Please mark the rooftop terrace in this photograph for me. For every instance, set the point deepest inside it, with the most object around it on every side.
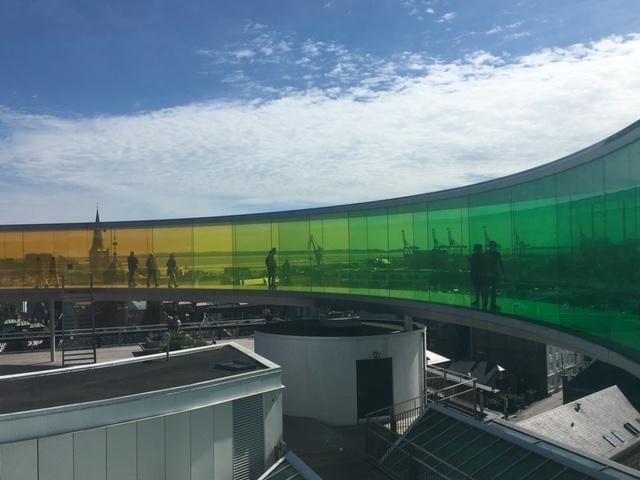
(121, 378)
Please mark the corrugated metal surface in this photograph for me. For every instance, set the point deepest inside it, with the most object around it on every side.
(248, 438)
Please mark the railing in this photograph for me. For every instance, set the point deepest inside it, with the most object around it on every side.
(410, 461)
(453, 390)
(399, 417)
(386, 428)
(133, 334)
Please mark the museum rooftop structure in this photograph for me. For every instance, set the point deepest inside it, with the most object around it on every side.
(568, 234)
(561, 250)
(209, 412)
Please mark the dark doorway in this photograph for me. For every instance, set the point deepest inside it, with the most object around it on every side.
(375, 385)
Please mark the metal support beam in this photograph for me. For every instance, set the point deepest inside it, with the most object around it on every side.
(408, 323)
(52, 329)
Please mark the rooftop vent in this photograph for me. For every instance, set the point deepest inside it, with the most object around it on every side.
(613, 441)
(617, 435)
(631, 429)
(235, 366)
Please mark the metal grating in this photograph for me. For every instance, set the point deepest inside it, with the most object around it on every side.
(248, 438)
(443, 444)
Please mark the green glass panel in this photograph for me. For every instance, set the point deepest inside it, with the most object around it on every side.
(533, 266)
(317, 255)
(332, 275)
(369, 253)
(581, 265)
(213, 256)
(490, 220)
(633, 152)
(621, 248)
(379, 265)
(447, 259)
(403, 269)
(359, 264)
(420, 251)
(252, 243)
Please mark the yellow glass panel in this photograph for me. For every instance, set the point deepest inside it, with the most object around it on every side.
(40, 263)
(252, 244)
(213, 256)
(179, 242)
(11, 260)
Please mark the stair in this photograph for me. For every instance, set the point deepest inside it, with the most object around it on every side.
(79, 333)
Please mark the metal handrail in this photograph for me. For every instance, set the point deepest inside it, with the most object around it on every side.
(401, 443)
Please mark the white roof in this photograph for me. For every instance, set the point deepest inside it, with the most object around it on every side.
(435, 359)
(594, 423)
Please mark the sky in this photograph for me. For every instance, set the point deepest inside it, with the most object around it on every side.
(173, 109)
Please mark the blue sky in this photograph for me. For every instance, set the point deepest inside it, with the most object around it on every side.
(162, 109)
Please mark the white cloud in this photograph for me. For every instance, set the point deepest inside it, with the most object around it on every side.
(311, 48)
(515, 36)
(261, 45)
(447, 17)
(244, 53)
(443, 125)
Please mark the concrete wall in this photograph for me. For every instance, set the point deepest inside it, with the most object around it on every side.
(272, 410)
(319, 373)
(190, 445)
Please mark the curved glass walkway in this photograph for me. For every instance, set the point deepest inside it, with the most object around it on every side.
(568, 233)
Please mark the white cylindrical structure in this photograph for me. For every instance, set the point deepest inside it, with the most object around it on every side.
(320, 373)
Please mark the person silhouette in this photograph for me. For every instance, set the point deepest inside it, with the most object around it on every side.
(132, 264)
(477, 272)
(494, 268)
(172, 270)
(152, 271)
(272, 268)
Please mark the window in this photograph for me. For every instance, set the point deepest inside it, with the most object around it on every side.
(631, 429)
(612, 440)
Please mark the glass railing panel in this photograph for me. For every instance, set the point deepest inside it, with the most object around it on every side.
(78, 250)
(332, 237)
(533, 266)
(403, 253)
(252, 244)
(583, 252)
(298, 253)
(173, 257)
(40, 262)
(12, 261)
(491, 235)
(359, 262)
(213, 256)
(130, 248)
(446, 262)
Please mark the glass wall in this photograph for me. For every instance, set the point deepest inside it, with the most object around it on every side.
(561, 250)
